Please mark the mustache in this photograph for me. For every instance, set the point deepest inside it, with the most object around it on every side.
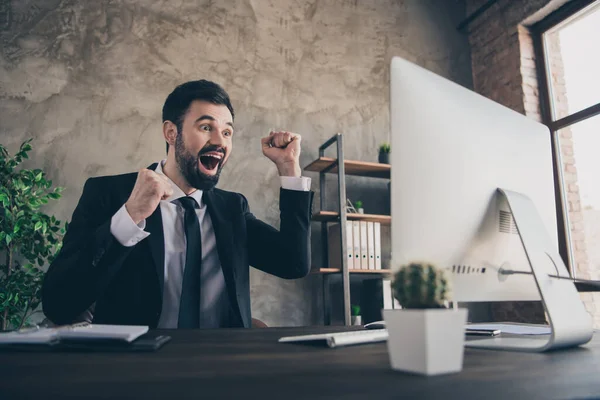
(211, 148)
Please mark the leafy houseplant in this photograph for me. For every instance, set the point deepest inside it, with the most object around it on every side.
(356, 317)
(384, 153)
(359, 207)
(425, 336)
(28, 237)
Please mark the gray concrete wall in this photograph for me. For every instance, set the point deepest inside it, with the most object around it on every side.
(87, 80)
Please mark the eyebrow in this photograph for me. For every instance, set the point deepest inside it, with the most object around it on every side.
(210, 118)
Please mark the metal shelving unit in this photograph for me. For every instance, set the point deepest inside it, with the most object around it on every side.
(342, 167)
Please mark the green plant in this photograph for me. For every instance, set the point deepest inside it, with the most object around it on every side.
(385, 148)
(358, 204)
(27, 236)
(355, 310)
(421, 285)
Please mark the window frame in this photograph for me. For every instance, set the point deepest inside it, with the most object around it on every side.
(537, 31)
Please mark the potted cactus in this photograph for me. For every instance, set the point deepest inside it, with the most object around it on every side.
(384, 153)
(359, 207)
(356, 317)
(425, 336)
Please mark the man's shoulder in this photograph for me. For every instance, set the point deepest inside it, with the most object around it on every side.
(116, 180)
(112, 180)
(227, 195)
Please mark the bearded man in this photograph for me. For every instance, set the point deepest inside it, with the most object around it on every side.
(164, 247)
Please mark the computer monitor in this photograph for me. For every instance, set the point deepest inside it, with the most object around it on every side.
(452, 150)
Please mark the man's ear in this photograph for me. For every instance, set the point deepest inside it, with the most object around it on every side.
(170, 132)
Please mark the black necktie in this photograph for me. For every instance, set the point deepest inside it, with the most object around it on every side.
(189, 304)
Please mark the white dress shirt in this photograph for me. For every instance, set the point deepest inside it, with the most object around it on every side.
(128, 233)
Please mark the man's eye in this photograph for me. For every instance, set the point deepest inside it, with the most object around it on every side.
(205, 127)
(227, 133)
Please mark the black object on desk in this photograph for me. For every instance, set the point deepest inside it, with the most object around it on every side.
(145, 343)
(482, 332)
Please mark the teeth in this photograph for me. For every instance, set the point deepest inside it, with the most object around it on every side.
(217, 156)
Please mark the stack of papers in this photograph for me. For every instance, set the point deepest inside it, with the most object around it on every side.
(85, 332)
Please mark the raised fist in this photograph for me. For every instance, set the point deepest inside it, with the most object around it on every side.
(283, 148)
(149, 189)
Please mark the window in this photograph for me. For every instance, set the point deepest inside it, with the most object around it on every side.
(569, 62)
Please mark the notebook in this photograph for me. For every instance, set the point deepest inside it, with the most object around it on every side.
(83, 331)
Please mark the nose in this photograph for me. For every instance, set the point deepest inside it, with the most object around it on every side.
(217, 138)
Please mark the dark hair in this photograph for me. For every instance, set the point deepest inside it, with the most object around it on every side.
(178, 102)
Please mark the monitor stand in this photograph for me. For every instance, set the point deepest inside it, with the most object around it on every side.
(570, 323)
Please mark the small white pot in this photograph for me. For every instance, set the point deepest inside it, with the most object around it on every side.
(428, 342)
(360, 210)
(356, 320)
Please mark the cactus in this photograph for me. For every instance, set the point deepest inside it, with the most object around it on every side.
(385, 148)
(421, 285)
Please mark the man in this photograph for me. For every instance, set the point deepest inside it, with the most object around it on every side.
(163, 247)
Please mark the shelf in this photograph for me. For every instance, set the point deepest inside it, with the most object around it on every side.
(332, 216)
(331, 165)
(352, 271)
(358, 168)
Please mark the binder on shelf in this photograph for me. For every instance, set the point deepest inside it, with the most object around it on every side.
(334, 246)
(364, 245)
(377, 240)
(388, 298)
(371, 245)
(389, 302)
(356, 243)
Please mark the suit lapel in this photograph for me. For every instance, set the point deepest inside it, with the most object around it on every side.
(156, 241)
(222, 226)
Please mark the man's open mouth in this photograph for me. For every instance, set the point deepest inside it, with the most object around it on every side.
(210, 161)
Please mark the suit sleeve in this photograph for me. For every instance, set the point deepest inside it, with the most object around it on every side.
(89, 258)
(284, 253)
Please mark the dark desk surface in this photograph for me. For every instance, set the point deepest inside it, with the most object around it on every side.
(251, 364)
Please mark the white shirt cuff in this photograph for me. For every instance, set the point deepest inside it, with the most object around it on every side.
(125, 230)
(301, 184)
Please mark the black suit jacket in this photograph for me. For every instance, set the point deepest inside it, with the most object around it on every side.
(125, 284)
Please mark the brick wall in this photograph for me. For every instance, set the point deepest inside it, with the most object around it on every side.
(569, 169)
(504, 70)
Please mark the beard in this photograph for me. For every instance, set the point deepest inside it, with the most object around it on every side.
(188, 165)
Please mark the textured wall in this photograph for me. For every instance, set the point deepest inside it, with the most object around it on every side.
(87, 79)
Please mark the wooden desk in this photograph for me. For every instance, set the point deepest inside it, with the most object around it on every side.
(251, 364)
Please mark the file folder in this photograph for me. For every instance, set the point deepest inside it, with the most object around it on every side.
(364, 255)
(371, 244)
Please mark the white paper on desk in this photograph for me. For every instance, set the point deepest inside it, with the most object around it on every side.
(514, 328)
(98, 331)
(29, 336)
